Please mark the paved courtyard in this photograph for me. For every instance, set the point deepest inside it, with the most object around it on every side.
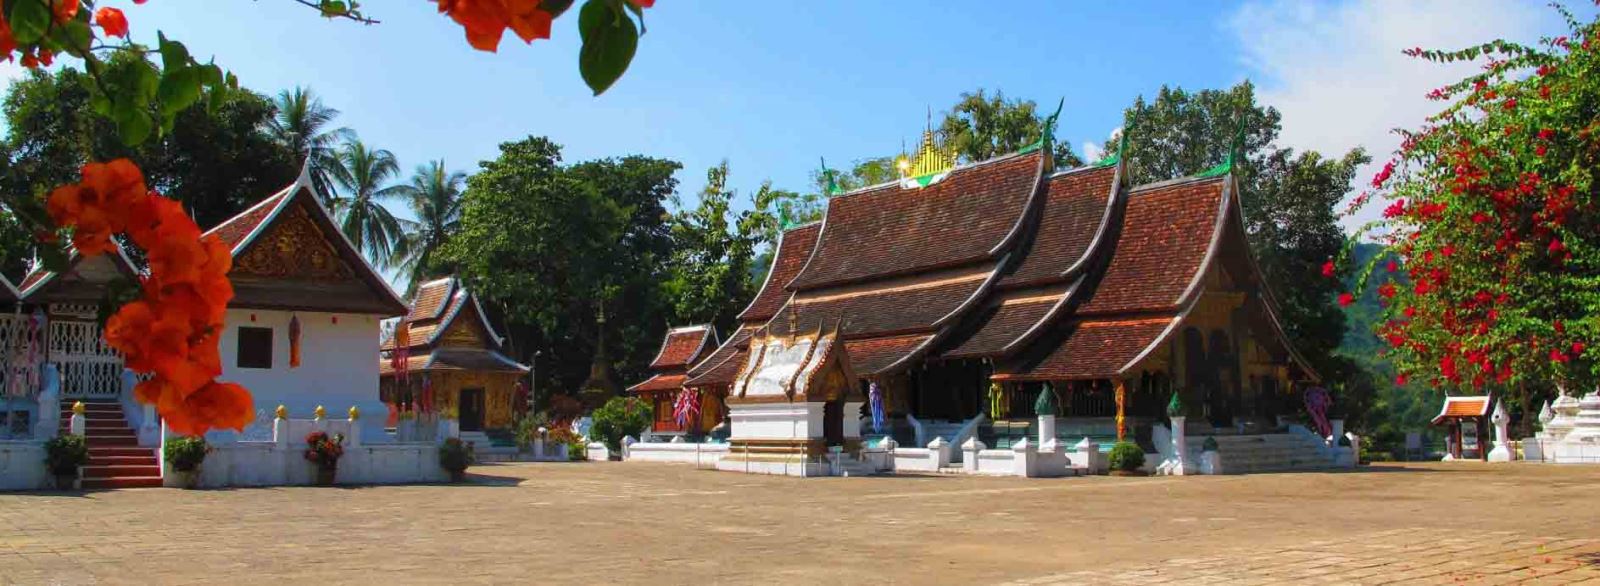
(650, 523)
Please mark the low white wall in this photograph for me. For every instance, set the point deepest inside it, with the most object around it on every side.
(267, 464)
(916, 460)
(22, 466)
(699, 454)
(995, 463)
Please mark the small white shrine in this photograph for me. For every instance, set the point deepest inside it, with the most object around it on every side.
(1571, 431)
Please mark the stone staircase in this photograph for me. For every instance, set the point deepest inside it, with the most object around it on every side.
(487, 449)
(1280, 452)
(115, 458)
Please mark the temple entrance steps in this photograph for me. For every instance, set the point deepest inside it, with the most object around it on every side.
(850, 466)
(115, 458)
(486, 449)
(1246, 454)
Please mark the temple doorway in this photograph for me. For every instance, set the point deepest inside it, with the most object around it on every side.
(833, 422)
(471, 410)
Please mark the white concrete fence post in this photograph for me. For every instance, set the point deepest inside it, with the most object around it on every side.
(1047, 430)
(627, 446)
(77, 425)
(353, 439)
(280, 428)
(939, 452)
(1023, 455)
(970, 449)
(538, 444)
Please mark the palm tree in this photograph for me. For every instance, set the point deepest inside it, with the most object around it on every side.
(301, 124)
(435, 197)
(361, 175)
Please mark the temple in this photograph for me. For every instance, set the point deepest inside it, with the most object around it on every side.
(452, 364)
(957, 294)
(680, 348)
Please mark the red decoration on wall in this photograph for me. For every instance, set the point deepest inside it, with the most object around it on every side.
(294, 341)
(336, 320)
(252, 318)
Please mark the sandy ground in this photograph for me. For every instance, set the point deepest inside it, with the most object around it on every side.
(605, 523)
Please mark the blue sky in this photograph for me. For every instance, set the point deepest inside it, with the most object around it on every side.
(772, 85)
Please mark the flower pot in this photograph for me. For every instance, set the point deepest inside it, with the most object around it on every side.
(67, 481)
(187, 479)
(325, 476)
(458, 476)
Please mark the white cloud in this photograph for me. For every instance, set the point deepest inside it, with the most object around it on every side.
(1092, 152)
(1336, 73)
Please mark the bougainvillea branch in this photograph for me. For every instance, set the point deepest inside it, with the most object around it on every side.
(1489, 215)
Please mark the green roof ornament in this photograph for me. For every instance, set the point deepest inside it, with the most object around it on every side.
(1175, 406)
(1235, 150)
(1210, 445)
(831, 187)
(1122, 145)
(1047, 131)
(1046, 403)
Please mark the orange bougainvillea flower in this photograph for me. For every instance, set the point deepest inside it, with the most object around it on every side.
(642, 3)
(8, 43)
(173, 329)
(486, 21)
(113, 21)
(64, 10)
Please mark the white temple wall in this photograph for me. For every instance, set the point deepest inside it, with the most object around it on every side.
(22, 466)
(775, 420)
(338, 365)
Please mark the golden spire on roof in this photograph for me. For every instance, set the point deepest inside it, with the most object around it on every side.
(931, 160)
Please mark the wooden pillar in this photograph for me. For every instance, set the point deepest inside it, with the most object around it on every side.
(1122, 400)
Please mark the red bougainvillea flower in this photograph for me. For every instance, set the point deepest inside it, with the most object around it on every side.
(485, 21)
(1328, 269)
(1578, 348)
(173, 329)
(1345, 299)
(112, 20)
(642, 3)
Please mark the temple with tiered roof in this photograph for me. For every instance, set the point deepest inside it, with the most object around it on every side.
(957, 296)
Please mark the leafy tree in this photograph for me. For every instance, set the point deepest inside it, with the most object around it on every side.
(301, 124)
(551, 247)
(217, 162)
(434, 195)
(1289, 202)
(1492, 216)
(980, 127)
(361, 176)
(711, 265)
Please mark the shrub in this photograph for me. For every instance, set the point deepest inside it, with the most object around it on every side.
(185, 453)
(1126, 456)
(620, 417)
(455, 455)
(63, 454)
(576, 448)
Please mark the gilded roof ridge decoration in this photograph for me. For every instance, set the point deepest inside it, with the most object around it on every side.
(909, 284)
(36, 280)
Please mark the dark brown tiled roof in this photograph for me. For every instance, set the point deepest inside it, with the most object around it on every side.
(1165, 234)
(1091, 349)
(736, 344)
(720, 370)
(235, 229)
(430, 300)
(874, 355)
(1073, 213)
(1006, 320)
(682, 347)
(660, 382)
(794, 249)
(32, 279)
(890, 306)
(888, 230)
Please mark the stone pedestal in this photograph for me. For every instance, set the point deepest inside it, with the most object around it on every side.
(1178, 463)
(1502, 443)
(969, 452)
(1047, 429)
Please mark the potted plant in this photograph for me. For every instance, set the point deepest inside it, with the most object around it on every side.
(1126, 459)
(63, 455)
(324, 451)
(185, 454)
(455, 456)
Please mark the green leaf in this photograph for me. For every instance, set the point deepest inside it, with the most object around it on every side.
(78, 36)
(29, 21)
(133, 123)
(609, 43)
(179, 89)
(555, 7)
(173, 54)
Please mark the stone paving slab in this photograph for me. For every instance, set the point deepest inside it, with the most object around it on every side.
(613, 523)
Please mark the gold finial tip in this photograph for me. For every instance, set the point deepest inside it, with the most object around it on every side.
(320, 412)
(78, 408)
(354, 413)
(282, 412)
